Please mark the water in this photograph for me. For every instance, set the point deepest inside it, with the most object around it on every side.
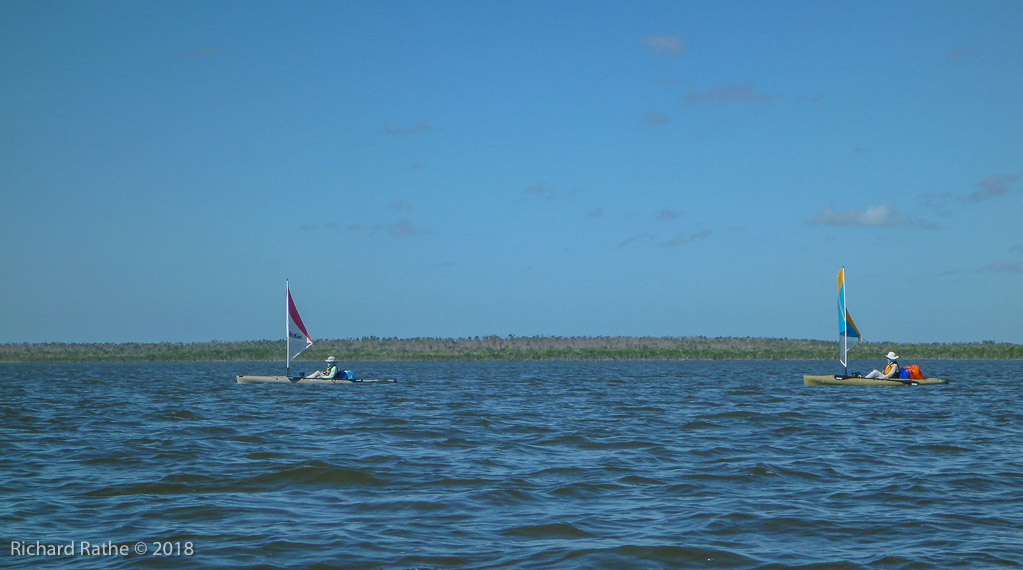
(512, 465)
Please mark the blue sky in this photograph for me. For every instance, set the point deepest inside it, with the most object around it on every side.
(528, 168)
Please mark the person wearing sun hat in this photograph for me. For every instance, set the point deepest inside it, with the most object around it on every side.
(891, 370)
(331, 373)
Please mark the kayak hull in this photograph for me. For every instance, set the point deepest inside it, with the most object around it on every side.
(839, 380)
(252, 379)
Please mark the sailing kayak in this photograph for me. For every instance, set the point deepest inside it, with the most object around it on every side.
(840, 380)
(296, 330)
(250, 379)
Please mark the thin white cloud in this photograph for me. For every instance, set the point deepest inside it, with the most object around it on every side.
(992, 186)
(539, 191)
(667, 214)
(420, 127)
(655, 119)
(665, 45)
(1010, 266)
(874, 216)
(202, 53)
(813, 99)
(938, 201)
(961, 54)
(729, 94)
(684, 239)
(645, 236)
(404, 228)
(651, 238)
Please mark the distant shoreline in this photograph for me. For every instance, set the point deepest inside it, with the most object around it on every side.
(506, 348)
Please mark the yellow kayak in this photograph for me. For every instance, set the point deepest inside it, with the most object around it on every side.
(252, 379)
(840, 380)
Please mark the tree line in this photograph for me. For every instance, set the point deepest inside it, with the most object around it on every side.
(504, 348)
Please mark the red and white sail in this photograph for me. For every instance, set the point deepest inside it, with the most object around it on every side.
(298, 337)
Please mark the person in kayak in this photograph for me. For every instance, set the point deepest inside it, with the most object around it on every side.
(331, 373)
(891, 370)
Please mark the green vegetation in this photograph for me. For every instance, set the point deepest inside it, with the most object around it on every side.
(506, 348)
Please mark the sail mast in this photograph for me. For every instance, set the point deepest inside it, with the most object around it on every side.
(287, 327)
(843, 319)
(846, 326)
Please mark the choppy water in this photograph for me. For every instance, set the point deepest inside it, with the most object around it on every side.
(513, 465)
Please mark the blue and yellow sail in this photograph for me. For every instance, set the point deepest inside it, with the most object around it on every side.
(848, 334)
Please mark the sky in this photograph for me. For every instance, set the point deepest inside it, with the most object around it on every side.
(453, 169)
